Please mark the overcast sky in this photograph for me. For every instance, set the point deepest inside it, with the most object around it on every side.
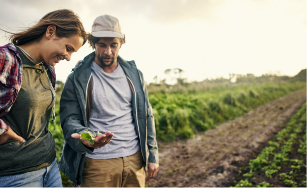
(205, 38)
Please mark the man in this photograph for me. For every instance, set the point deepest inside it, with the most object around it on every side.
(105, 93)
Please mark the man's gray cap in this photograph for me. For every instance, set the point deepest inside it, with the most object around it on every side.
(107, 26)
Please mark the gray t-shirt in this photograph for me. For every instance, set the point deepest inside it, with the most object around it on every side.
(112, 111)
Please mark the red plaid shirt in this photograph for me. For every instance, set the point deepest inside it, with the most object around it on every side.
(10, 80)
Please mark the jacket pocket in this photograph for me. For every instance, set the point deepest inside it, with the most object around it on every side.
(10, 143)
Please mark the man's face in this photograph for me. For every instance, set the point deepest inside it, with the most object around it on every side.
(106, 50)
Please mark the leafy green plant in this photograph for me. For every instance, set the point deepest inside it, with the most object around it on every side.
(270, 172)
(296, 161)
(89, 136)
(180, 119)
(273, 144)
(302, 148)
(229, 99)
(296, 167)
(290, 183)
(186, 132)
(248, 175)
(280, 158)
(268, 160)
(264, 184)
(242, 97)
(244, 183)
(204, 110)
(257, 163)
(283, 176)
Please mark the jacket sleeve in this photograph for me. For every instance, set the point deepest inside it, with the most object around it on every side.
(151, 130)
(3, 127)
(6, 91)
(71, 116)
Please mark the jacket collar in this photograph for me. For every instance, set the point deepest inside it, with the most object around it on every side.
(13, 48)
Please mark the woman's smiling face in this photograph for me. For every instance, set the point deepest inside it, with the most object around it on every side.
(56, 49)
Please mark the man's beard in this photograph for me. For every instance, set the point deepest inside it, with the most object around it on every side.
(100, 59)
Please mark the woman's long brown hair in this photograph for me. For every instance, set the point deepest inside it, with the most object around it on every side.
(67, 24)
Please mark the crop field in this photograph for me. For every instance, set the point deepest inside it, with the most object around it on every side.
(283, 162)
(182, 118)
(215, 158)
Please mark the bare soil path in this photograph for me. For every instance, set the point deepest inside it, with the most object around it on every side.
(213, 158)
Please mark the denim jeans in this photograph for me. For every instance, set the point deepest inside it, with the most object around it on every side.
(46, 177)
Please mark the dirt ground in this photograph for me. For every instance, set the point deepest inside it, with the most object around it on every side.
(213, 158)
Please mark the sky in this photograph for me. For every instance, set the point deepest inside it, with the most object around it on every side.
(205, 38)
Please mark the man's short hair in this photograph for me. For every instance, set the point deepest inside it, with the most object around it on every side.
(93, 40)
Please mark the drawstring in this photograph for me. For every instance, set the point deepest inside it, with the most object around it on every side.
(36, 62)
(50, 84)
(53, 95)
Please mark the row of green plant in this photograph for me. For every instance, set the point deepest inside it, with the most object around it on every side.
(276, 162)
(182, 116)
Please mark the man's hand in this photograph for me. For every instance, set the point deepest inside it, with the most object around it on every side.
(10, 135)
(152, 170)
(99, 141)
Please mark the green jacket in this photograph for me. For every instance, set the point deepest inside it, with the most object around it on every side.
(75, 109)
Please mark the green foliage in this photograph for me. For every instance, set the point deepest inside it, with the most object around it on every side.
(253, 94)
(205, 110)
(244, 183)
(242, 97)
(230, 100)
(264, 184)
(180, 115)
(273, 144)
(301, 76)
(180, 119)
(200, 125)
(57, 133)
(257, 163)
(280, 158)
(89, 136)
(270, 172)
(167, 131)
(283, 176)
(248, 175)
(214, 106)
(290, 183)
(186, 132)
(278, 152)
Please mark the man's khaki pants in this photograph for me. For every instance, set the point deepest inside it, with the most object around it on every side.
(118, 172)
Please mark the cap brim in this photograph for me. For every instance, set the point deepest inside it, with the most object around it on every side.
(107, 34)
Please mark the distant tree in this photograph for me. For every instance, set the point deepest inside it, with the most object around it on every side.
(168, 72)
(156, 79)
(178, 71)
(301, 76)
(163, 82)
(179, 80)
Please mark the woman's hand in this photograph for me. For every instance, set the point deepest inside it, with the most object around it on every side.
(10, 135)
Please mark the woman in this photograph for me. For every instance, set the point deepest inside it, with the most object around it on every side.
(27, 98)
